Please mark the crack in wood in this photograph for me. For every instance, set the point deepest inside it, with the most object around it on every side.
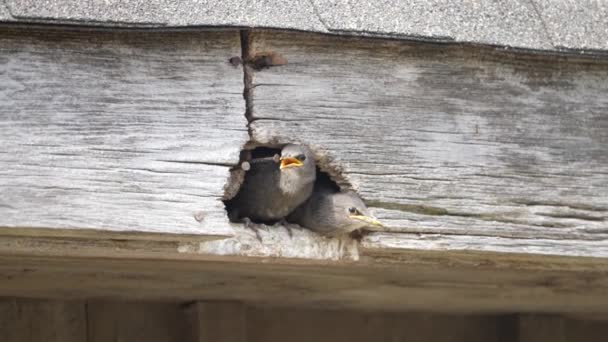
(196, 162)
(580, 206)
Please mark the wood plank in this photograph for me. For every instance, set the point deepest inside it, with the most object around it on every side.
(487, 148)
(219, 321)
(119, 131)
(125, 321)
(557, 328)
(275, 325)
(541, 328)
(387, 243)
(29, 320)
(405, 281)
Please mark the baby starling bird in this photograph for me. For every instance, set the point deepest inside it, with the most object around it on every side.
(334, 213)
(272, 190)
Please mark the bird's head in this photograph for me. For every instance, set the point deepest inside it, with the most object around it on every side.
(352, 214)
(297, 159)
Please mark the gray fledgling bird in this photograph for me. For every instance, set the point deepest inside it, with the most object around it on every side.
(334, 213)
(272, 190)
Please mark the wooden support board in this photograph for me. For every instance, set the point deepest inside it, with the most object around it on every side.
(467, 148)
(30, 320)
(119, 131)
(406, 281)
(25, 320)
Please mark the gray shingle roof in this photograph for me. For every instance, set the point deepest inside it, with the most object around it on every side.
(546, 25)
(4, 13)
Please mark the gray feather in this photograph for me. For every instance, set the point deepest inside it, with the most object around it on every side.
(269, 193)
(327, 212)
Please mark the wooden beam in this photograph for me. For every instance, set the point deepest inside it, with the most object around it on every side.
(119, 131)
(456, 149)
(219, 321)
(26, 320)
(556, 328)
(274, 325)
(109, 320)
(405, 281)
(124, 321)
(472, 148)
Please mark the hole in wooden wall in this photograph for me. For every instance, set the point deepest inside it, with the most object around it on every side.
(328, 174)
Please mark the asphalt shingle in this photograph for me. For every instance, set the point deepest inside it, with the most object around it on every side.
(297, 14)
(576, 24)
(544, 25)
(509, 23)
(5, 15)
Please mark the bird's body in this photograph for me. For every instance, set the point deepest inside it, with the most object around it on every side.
(271, 190)
(333, 213)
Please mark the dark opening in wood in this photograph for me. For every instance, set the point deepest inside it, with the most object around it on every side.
(249, 157)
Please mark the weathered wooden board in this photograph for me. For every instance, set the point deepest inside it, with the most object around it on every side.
(26, 320)
(500, 149)
(556, 328)
(34, 320)
(120, 321)
(274, 325)
(119, 131)
(381, 281)
(219, 321)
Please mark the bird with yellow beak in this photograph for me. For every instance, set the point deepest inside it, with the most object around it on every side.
(334, 213)
(272, 190)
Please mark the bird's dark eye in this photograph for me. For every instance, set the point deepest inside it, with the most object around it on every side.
(301, 157)
(353, 210)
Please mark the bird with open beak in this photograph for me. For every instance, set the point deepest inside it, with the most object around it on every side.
(272, 190)
(333, 213)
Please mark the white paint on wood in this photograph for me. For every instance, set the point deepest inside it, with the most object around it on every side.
(126, 131)
(495, 150)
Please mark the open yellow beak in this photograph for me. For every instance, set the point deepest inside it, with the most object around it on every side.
(288, 162)
(369, 220)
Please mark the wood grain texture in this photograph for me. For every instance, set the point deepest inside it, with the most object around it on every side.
(219, 321)
(556, 328)
(36, 320)
(119, 131)
(381, 281)
(109, 321)
(275, 325)
(27, 320)
(474, 145)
